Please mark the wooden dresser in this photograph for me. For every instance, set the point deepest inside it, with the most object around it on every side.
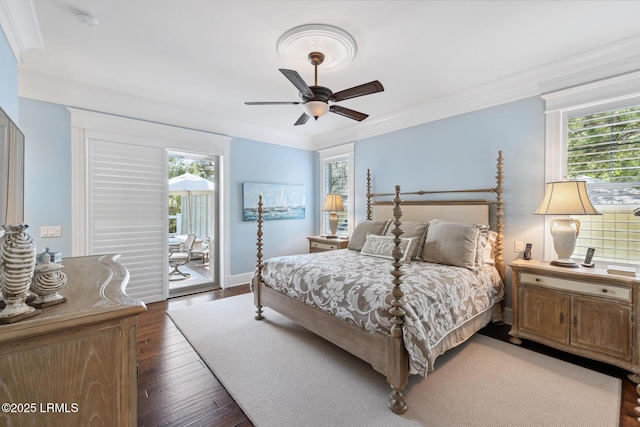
(584, 311)
(75, 363)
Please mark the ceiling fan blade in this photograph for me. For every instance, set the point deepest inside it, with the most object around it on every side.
(354, 92)
(355, 115)
(273, 103)
(297, 81)
(302, 119)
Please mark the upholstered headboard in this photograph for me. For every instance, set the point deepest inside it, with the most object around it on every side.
(466, 212)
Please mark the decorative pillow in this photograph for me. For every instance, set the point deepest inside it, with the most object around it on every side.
(451, 243)
(486, 245)
(414, 229)
(359, 235)
(382, 246)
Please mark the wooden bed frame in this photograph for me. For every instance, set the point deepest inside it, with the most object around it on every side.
(386, 353)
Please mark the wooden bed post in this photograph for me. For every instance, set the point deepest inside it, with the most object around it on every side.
(369, 210)
(500, 218)
(256, 287)
(398, 374)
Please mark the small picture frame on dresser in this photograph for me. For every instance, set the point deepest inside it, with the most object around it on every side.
(588, 259)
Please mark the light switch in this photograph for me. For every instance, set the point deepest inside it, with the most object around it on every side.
(51, 231)
(518, 247)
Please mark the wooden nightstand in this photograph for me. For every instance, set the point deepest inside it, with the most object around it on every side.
(321, 244)
(584, 311)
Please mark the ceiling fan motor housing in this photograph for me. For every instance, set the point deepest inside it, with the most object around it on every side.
(321, 94)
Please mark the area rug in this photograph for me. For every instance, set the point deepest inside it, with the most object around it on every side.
(282, 375)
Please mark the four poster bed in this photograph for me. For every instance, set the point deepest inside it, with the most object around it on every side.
(404, 292)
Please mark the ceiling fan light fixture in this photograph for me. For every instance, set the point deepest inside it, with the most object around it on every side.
(315, 108)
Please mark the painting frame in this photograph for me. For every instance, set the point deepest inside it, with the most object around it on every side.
(279, 201)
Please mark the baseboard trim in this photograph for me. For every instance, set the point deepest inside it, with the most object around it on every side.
(239, 279)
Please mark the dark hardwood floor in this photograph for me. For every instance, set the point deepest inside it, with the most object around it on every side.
(176, 388)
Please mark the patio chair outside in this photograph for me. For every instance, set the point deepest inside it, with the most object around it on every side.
(203, 252)
(181, 257)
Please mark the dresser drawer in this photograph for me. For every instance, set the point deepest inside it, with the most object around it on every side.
(324, 246)
(617, 292)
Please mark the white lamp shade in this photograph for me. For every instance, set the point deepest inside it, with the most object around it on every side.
(333, 203)
(315, 108)
(566, 198)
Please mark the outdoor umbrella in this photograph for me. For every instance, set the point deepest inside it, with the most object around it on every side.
(187, 185)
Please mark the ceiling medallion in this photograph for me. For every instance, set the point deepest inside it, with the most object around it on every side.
(338, 47)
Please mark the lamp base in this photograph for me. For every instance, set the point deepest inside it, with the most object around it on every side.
(564, 232)
(333, 223)
(565, 263)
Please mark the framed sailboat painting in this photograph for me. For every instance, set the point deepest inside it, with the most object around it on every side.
(279, 201)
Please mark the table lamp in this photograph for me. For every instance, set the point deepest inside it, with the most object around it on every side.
(565, 198)
(333, 204)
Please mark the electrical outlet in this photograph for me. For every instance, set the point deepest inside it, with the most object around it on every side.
(518, 246)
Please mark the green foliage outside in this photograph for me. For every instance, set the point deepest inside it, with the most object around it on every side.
(177, 167)
(337, 182)
(605, 146)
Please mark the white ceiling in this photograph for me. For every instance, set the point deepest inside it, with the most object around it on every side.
(210, 56)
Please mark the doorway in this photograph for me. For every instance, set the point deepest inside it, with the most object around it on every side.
(193, 211)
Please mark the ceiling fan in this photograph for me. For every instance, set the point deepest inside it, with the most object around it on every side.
(315, 99)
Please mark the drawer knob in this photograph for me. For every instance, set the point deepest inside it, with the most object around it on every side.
(537, 279)
(604, 291)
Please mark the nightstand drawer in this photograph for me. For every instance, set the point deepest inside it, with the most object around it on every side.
(324, 246)
(617, 292)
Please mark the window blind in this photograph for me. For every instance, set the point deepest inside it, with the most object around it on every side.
(127, 187)
(337, 182)
(603, 149)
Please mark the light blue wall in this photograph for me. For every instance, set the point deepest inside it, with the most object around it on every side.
(47, 200)
(420, 157)
(48, 185)
(253, 161)
(461, 152)
(8, 80)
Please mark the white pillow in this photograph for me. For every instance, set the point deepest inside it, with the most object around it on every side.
(382, 246)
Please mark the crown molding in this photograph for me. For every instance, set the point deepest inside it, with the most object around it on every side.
(606, 61)
(600, 63)
(79, 95)
(20, 25)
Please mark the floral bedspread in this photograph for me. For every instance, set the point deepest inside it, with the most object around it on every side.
(357, 289)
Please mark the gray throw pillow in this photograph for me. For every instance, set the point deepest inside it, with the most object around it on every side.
(414, 229)
(359, 235)
(451, 243)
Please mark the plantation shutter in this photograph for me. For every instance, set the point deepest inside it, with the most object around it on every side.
(604, 150)
(337, 182)
(127, 212)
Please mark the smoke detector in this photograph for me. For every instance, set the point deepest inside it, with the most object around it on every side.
(87, 19)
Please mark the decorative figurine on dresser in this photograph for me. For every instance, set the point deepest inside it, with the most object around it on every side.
(17, 265)
(47, 281)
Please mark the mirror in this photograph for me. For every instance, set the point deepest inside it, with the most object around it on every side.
(11, 172)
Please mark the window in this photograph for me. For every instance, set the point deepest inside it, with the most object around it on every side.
(337, 178)
(604, 149)
(597, 140)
